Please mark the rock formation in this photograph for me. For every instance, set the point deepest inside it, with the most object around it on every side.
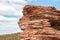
(40, 23)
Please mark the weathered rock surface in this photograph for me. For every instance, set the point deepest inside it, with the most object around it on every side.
(40, 23)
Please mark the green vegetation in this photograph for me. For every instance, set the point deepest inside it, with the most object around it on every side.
(10, 37)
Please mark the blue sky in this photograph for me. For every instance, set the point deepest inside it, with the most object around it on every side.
(55, 3)
(11, 11)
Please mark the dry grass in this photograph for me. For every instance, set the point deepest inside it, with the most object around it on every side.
(10, 37)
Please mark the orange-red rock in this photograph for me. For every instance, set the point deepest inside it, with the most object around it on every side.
(40, 23)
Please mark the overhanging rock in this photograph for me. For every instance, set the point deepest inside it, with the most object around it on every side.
(40, 23)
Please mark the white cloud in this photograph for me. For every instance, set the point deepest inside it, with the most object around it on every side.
(18, 1)
(8, 24)
(7, 19)
(7, 10)
(10, 8)
(4, 7)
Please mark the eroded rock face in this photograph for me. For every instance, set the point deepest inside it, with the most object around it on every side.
(40, 23)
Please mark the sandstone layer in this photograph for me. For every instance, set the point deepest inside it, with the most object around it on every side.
(40, 23)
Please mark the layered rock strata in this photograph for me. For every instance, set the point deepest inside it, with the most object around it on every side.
(40, 23)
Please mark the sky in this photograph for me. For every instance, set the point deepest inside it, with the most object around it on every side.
(11, 12)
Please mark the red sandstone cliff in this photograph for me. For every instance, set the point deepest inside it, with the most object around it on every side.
(40, 23)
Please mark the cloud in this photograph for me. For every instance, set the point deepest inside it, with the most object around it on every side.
(17, 1)
(9, 25)
(14, 10)
(6, 10)
(10, 8)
